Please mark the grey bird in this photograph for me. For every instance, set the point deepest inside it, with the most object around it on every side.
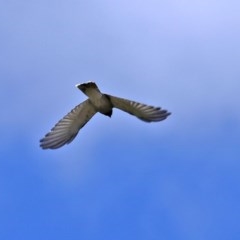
(68, 127)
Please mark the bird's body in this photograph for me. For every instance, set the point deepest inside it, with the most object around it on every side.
(100, 101)
(68, 127)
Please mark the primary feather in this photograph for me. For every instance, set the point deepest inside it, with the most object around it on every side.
(142, 111)
(68, 127)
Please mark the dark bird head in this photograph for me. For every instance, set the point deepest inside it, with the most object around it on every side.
(85, 86)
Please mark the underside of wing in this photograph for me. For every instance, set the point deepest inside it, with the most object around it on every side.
(68, 127)
(142, 111)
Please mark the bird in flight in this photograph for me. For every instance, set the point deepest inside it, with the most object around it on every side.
(68, 127)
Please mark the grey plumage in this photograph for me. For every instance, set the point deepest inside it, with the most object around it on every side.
(142, 111)
(68, 127)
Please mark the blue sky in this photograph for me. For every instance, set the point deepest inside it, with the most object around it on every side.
(121, 178)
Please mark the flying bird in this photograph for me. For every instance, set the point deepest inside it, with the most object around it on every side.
(68, 127)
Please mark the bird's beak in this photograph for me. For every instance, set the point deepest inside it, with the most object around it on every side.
(78, 85)
(81, 87)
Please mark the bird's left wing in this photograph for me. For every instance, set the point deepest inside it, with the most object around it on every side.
(68, 127)
(142, 111)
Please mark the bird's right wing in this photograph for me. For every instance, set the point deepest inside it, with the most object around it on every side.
(68, 127)
(142, 111)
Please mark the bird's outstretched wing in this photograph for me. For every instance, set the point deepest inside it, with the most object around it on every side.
(142, 111)
(68, 127)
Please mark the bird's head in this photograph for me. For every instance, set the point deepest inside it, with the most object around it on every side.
(85, 86)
